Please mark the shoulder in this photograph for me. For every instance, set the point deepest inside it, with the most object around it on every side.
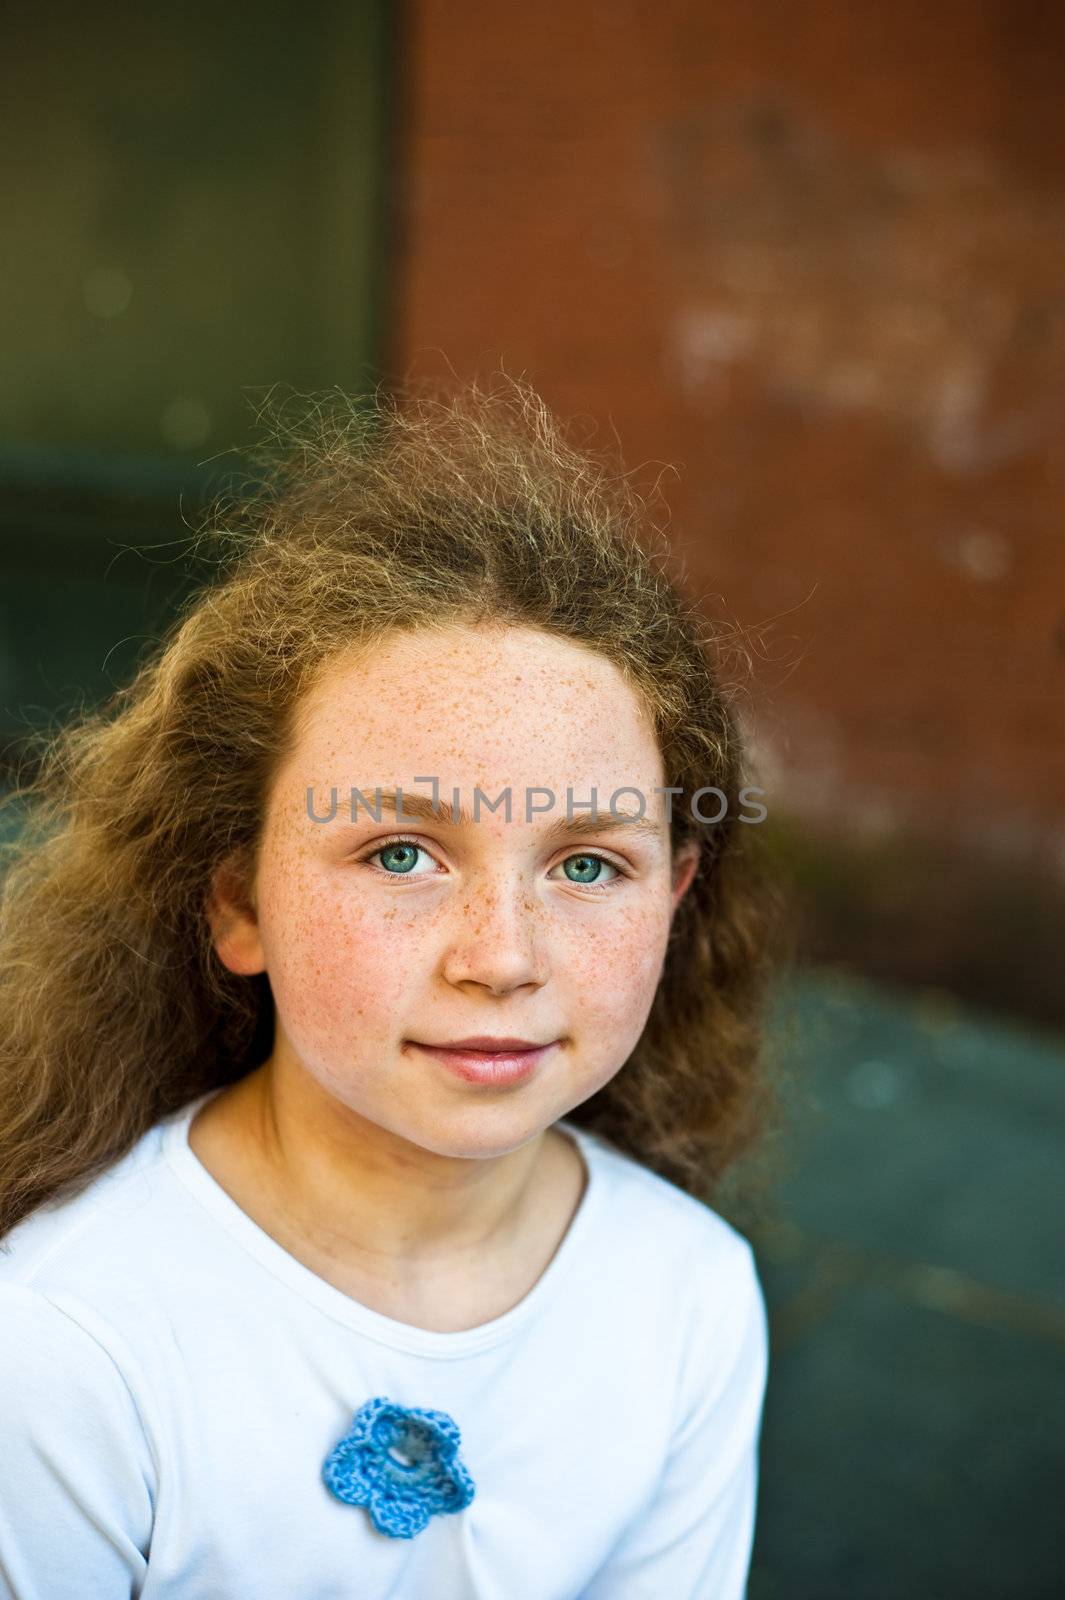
(685, 1235)
(690, 1269)
(47, 1346)
(85, 1223)
(80, 1311)
(79, 1473)
(70, 1289)
(74, 1325)
(65, 1383)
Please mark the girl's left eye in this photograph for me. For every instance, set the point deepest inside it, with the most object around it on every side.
(404, 853)
(589, 864)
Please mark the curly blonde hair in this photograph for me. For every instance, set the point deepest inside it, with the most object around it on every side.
(394, 513)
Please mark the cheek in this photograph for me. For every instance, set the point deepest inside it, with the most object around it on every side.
(613, 972)
(331, 963)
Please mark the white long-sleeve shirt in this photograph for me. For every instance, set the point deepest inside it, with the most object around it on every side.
(172, 1382)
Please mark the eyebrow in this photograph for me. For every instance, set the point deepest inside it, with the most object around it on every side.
(421, 805)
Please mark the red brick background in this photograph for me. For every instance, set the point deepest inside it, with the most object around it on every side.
(814, 257)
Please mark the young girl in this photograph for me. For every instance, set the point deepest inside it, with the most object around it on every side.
(358, 1126)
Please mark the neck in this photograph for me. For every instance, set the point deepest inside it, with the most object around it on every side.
(367, 1194)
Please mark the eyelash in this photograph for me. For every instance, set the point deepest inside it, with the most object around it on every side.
(399, 838)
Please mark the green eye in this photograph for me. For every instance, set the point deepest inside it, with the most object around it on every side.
(399, 858)
(408, 853)
(587, 869)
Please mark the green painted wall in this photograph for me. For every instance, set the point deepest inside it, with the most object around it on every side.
(194, 212)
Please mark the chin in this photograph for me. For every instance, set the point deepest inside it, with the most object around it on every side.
(479, 1132)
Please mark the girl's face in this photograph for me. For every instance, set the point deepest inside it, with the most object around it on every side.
(487, 927)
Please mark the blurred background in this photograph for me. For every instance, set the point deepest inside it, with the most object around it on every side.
(812, 260)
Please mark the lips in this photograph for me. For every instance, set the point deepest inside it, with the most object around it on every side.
(505, 1062)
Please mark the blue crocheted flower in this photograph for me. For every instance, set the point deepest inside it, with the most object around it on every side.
(402, 1463)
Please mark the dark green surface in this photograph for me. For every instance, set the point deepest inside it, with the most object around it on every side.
(916, 1283)
(195, 203)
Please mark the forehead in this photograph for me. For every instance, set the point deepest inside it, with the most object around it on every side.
(469, 703)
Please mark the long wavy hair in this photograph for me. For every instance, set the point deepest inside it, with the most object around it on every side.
(366, 517)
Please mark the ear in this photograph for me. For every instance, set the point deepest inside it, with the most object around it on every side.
(685, 863)
(232, 917)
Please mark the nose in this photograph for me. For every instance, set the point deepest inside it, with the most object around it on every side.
(498, 941)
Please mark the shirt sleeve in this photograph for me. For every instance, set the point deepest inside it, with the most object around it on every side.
(693, 1541)
(76, 1471)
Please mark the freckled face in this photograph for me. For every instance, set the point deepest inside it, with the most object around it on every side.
(481, 929)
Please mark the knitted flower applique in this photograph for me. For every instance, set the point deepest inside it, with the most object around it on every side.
(402, 1463)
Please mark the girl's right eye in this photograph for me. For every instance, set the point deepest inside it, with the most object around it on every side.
(401, 857)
